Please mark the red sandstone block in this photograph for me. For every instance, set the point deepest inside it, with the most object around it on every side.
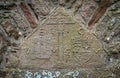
(99, 12)
(28, 14)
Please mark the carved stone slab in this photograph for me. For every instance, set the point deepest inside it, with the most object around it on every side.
(61, 43)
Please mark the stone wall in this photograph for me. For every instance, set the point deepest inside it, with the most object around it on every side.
(59, 38)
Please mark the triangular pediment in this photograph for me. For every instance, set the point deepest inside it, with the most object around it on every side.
(60, 44)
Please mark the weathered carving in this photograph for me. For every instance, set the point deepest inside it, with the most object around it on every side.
(60, 44)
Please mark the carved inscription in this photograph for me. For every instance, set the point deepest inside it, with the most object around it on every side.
(62, 44)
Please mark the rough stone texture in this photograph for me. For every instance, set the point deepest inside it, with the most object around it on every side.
(104, 4)
(82, 9)
(49, 39)
(108, 31)
(60, 42)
